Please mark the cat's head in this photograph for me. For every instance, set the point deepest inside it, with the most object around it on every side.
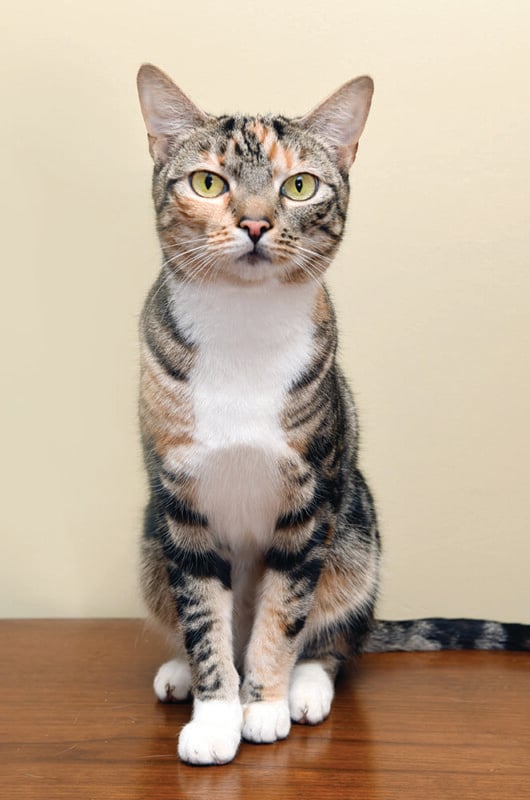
(250, 199)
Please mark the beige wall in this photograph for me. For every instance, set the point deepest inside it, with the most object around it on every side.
(432, 283)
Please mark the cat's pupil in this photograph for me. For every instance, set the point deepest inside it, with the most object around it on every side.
(208, 182)
(299, 183)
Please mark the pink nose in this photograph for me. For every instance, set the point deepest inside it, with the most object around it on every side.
(255, 227)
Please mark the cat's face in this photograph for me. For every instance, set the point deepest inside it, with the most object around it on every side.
(250, 199)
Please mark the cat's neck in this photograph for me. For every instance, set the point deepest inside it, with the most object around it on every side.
(255, 316)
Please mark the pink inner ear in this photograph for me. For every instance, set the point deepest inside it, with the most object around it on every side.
(158, 147)
(341, 118)
(167, 111)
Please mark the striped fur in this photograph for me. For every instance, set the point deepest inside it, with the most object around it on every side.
(446, 634)
(261, 549)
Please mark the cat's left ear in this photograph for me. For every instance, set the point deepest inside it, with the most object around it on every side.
(340, 119)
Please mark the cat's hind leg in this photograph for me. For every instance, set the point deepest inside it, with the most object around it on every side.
(172, 682)
(311, 690)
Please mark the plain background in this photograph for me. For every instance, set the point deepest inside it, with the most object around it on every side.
(432, 283)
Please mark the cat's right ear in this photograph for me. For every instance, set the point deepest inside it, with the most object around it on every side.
(167, 112)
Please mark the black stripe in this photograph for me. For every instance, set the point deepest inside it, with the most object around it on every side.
(177, 478)
(228, 124)
(251, 143)
(207, 672)
(184, 562)
(359, 514)
(194, 616)
(294, 628)
(287, 561)
(158, 325)
(203, 654)
(185, 602)
(166, 198)
(308, 572)
(300, 516)
(194, 636)
(517, 636)
(205, 690)
(279, 127)
(332, 235)
(254, 690)
(179, 511)
(281, 560)
(314, 372)
(151, 520)
(158, 304)
(307, 411)
(161, 358)
(319, 448)
(301, 480)
(159, 207)
(322, 209)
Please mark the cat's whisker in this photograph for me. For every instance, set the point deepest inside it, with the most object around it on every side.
(315, 257)
(187, 268)
(170, 274)
(183, 253)
(205, 263)
(163, 284)
(308, 269)
(198, 238)
(293, 249)
(319, 262)
(310, 251)
(204, 279)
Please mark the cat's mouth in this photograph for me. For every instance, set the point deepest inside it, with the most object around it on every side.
(255, 256)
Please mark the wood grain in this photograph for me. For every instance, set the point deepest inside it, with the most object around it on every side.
(78, 719)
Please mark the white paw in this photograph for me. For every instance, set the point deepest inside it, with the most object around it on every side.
(213, 735)
(266, 721)
(310, 693)
(173, 681)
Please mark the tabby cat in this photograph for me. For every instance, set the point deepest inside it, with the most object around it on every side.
(261, 549)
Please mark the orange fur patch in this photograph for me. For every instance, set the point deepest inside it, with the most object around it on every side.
(166, 415)
(321, 310)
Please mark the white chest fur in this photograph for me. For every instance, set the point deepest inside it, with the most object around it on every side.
(252, 342)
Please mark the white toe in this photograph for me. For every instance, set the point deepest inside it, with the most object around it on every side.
(173, 681)
(310, 693)
(213, 735)
(266, 721)
(200, 743)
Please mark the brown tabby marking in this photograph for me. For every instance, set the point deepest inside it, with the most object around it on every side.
(258, 512)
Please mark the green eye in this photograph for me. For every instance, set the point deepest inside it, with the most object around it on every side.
(208, 184)
(300, 187)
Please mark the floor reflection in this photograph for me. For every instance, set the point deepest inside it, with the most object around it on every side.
(332, 760)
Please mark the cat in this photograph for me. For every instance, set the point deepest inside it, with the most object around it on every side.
(261, 549)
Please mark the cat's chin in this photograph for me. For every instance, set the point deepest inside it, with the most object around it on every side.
(252, 268)
(253, 259)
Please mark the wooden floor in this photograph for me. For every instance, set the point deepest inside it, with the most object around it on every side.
(78, 720)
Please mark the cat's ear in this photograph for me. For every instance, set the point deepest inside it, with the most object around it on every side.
(340, 119)
(167, 111)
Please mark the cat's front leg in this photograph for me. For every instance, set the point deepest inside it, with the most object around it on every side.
(200, 583)
(286, 597)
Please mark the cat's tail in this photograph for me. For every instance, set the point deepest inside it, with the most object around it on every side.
(437, 633)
